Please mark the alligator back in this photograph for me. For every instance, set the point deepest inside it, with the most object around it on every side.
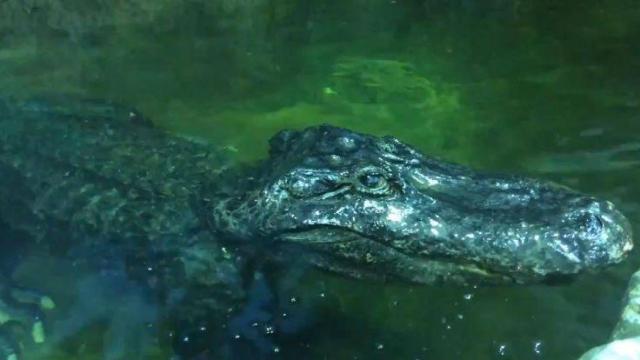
(96, 176)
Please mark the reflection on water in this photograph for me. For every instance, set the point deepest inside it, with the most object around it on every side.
(491, 84)
(620, 157)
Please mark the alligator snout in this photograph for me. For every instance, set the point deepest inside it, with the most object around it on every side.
(601, 231)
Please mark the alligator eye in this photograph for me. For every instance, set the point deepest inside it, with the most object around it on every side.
(372, 182)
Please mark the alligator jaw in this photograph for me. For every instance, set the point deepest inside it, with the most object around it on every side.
(327, 247)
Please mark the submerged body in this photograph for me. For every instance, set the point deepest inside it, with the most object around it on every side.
(97, 182)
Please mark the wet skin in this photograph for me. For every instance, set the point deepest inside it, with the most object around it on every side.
(375, 207)
(96, 181)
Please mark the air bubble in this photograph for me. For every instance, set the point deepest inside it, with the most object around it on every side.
(502, 349)
(537, 347)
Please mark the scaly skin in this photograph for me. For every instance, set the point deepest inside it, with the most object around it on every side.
(375, 207)
(97, 182)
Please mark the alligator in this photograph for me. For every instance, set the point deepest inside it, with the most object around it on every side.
(97, 182)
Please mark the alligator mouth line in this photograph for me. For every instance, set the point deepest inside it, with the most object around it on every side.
(338, 234)
(326, 234)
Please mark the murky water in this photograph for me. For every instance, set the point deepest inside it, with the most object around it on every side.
(551, 90)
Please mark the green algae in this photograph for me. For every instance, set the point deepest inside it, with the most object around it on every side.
(487, 89)
(367, 80)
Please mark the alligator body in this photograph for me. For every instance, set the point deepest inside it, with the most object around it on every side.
(98, 182)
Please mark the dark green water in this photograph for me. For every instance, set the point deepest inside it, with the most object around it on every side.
(536, 87)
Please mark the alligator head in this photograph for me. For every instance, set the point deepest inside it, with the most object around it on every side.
(374, 207)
